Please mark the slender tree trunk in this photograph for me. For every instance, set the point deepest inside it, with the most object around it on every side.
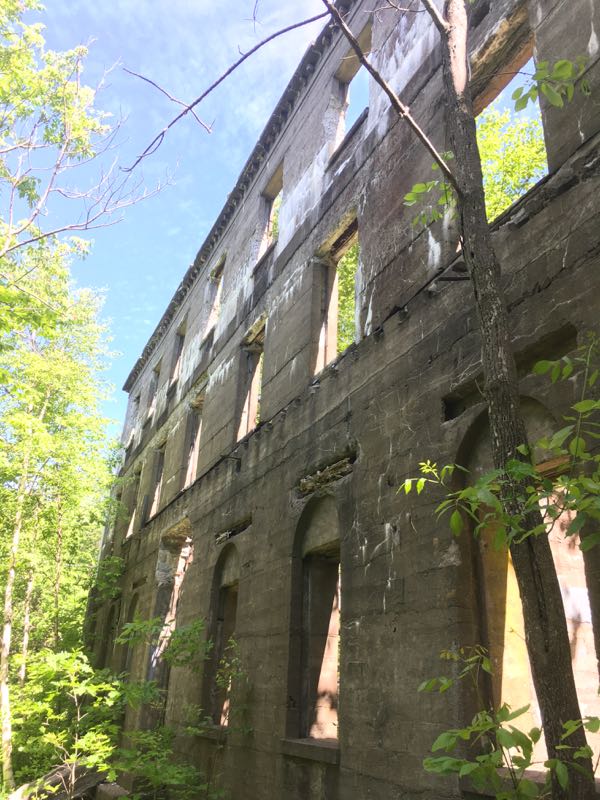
(7, 770)
(5, 712)
(27, 609)
(543, 611)
(26, 625)
(58, 576)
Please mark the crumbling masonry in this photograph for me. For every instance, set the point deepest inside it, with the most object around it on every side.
(262, 465)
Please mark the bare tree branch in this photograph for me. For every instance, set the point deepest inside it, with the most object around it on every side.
(402, 109)
(434, 13)
(206, 127)
(393, 5)
(159, 138)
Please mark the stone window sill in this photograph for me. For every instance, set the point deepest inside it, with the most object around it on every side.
(326, 751)
(218, 733)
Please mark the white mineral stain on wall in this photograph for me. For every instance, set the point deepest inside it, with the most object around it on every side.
(451, 558)
(434, 251)
(303, 197)
(369, 318)
(593, 45)
(412, 45)
(220, 373)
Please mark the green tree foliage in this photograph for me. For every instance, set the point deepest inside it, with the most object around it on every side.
(65, 713)
(513, 157)
(49, 129)
(54, 470)
(54, 473)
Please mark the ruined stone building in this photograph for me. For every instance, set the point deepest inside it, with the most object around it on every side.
(263, 458)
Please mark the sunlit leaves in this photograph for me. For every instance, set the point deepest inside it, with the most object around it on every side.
(556, 82)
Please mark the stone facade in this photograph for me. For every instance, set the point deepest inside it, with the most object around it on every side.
(264, 530)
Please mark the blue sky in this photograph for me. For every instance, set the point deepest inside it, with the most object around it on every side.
(182, 45)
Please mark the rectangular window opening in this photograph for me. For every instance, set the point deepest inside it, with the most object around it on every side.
(177, 353)
(194, 430)
(159, 468)
(132, 505)
(134, 419)
(153, 391)
(215, 291)
(251, 379)
(321, 645)
(338, 297)
(353, 80)
(224, 647)
(511, 143)
(272, 198)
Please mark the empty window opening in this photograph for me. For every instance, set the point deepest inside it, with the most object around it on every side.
(272, 198)
(224, 650)
(108, 640)
(338, 297)
(511, 143)
(511, 681)
(128, 649)
(177, 353)
(353, 80)
(159, 468)
(132, 492)
(357, 97)
(321, 645)
(251, 378)
(153, 391)
(215, 292)
(194, 430)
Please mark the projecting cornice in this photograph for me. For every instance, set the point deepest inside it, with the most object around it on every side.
(294, 90)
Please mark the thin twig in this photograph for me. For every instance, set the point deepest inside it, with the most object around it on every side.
(159, 138)
(206, 127)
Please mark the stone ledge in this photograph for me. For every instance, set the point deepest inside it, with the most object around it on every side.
(324, 750)
(218, 733)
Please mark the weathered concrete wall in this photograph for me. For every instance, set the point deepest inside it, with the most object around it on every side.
(407, 390)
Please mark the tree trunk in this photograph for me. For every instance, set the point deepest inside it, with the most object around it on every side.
(26, 625)
(58, 576)
(7, 770)
(5, 712)
(543, 612)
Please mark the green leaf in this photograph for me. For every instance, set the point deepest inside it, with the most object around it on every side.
(505, 739)
(535, 735)
(563, 70)
(541, 367)
(562, 774)
(445, 741)
(589, 541)
(577, 446)
(552, 95)
(585, 406)
(521, 103)
(456, 523)
(528, 788)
